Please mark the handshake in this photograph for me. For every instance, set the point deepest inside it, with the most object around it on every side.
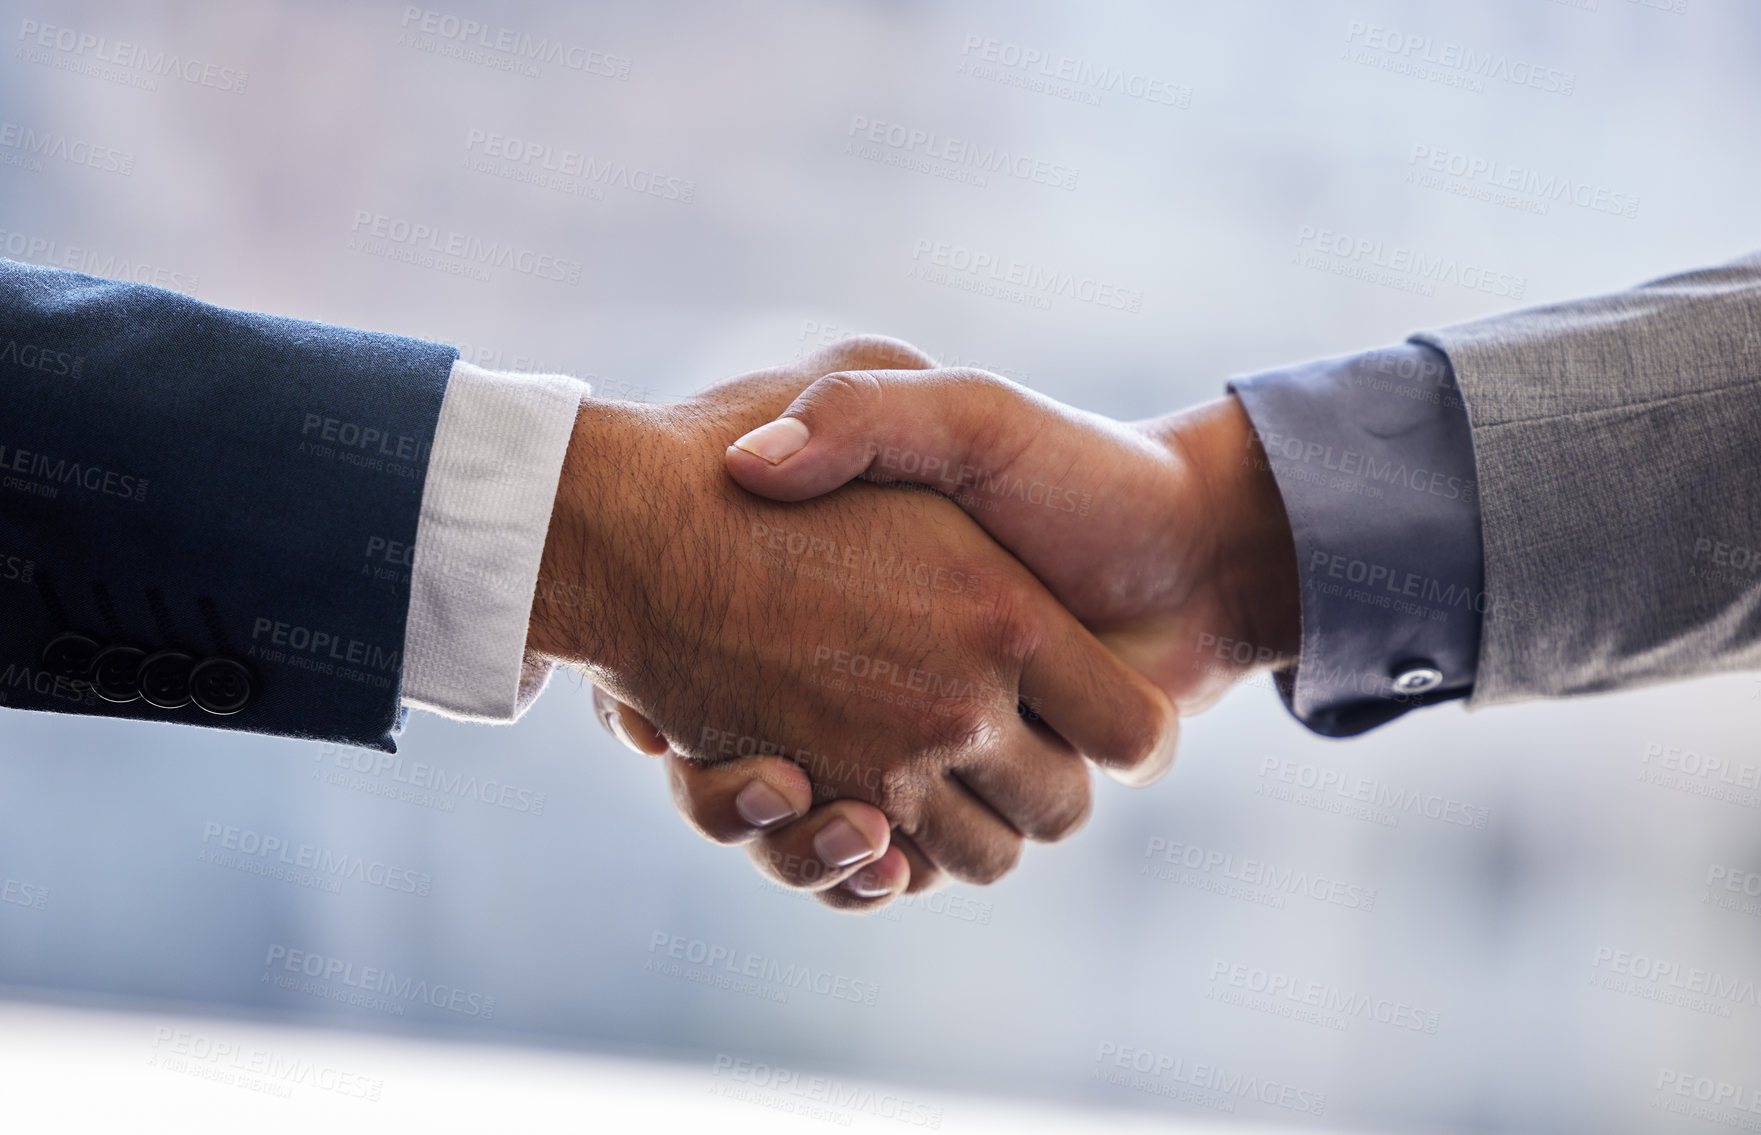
(880, 617)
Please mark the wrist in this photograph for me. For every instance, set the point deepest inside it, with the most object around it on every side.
(1253, 552)
(576, 615)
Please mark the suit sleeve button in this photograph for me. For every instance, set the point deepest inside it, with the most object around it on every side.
(220, 685)
(165, 679)
(69, 655)
(116, 673)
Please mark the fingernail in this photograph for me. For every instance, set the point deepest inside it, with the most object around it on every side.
(867, 884)
(839, 844)
(1156, 765)
(776, 441)
(607, 708)
(761, 805)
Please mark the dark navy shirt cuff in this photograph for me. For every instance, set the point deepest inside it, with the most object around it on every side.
(1374, 459)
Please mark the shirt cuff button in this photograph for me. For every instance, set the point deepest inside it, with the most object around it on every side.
(1417, 679)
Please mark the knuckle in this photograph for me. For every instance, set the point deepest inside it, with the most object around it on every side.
(898, 792)
(981, 387)
(1015, 630)
(972, 377)
(952, 728)
(849, 393)
(989, 864)
(1066, 817)
(881, 352)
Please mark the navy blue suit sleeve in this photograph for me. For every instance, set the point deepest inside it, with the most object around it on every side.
(1374, 458)
(230, 498)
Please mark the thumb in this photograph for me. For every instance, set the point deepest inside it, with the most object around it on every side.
(939, 428)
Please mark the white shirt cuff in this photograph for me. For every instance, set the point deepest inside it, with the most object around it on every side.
(492, 476)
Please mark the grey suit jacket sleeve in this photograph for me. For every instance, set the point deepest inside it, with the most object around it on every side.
(1617, 444)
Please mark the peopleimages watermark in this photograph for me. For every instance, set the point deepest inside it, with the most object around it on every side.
(1721, 561)
(1447, 63)
(814, 1097)
(1500, 183)
(18, 675)
(1745, 888)
(370, 448)
(418, 782)
(42, 474)
(971, 485)
(1322, 1003)
(368, 987)
(16, 569)
(119, 61)
(304, 864)
(17, 892)
(499, 358)
(1389, 580)
(1231, 658)
(453, 252)
(884, 680)
(1669, 982)
(1700, 774)
(1398, 266)
(825, 772)
(1361, 797)
(254, 1069)
(1016, 281)
(1289, 449)
(742, 971)
(42, 357)
(568, 171)
(1062, 76)
(852, 566)
(331, 652)
(1252, 880)
(27, 148)
(1205, 1083)
(1708, 1097)
(501, 48)
(957, 159)
(34, 249)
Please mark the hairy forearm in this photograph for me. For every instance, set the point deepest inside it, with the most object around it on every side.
(574, 617)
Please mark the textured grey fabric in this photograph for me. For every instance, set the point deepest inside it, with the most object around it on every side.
(1617, 445)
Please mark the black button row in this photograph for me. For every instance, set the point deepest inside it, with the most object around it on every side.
(167, 679)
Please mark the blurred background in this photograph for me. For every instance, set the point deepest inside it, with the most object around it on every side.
(731, 184)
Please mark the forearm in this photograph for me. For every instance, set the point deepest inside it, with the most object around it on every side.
(588, 541)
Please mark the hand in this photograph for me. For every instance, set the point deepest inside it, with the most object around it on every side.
(875, 644)
(1167, 538)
